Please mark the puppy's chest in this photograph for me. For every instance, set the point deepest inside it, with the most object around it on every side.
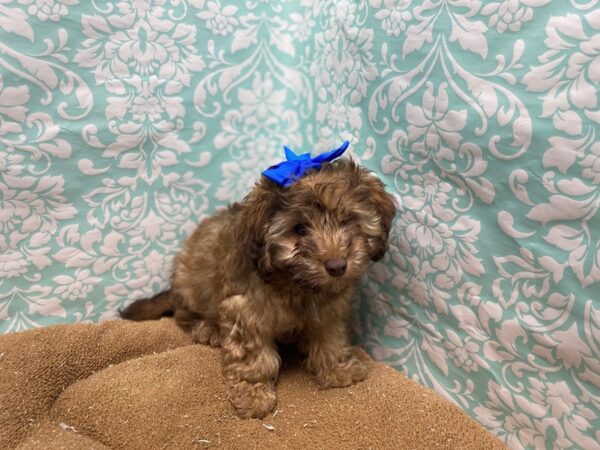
(295, 319)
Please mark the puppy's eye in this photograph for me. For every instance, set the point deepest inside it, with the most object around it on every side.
(300, 229)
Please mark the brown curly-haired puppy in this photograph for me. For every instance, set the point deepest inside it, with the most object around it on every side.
(281, 266)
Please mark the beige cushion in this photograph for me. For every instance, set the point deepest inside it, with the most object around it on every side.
(144, 385)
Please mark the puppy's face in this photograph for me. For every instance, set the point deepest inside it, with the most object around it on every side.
(323, 230)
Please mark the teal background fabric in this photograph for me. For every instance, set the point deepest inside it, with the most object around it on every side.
(122, 124)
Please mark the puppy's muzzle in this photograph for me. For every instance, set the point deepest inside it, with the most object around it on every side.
(336, 267)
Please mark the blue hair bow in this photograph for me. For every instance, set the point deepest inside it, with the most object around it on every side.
(287, 172)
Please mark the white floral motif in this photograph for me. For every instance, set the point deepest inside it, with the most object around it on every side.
(591, 164)
(433, 239)
(36, 68)
(394, 16)
(32, 197)
(433, 136)
(302, 25)
(434, 242)
(574, 53)
(344, 12)
(500, 415)
(342, 67)
(75, 288)
(524, 276)
(240, 176)
(469, 33)
(138, 46)
(570, 78)
(345, 61)
(464, 354)
(572, 201)
(219, 20)
(30, 211)
(12, 108)
(418, 289)
(151, 270)
(262, 103)
(12, 264)
(483, 94)
(336, 116)
(51, 10)
(262, 111)
(146, 107)
(31, 207)
(11, 164)
(510, 14)
(433, 245)
(430, 238)
(38, 301)
(545, 407)
(436, 122)
(144, 61)
(272, 96)
(429, 189)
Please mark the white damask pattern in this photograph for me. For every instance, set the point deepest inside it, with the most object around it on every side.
(124, 123)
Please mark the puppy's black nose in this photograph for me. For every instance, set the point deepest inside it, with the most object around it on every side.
(336, 267)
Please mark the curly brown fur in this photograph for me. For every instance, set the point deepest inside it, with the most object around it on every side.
(257, 273)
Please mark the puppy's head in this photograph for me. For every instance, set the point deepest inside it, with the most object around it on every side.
(321, 231)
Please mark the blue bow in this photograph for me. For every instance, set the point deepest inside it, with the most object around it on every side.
(286, 172)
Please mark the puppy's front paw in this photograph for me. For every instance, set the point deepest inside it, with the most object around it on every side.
(252, 399)
(206, 333)
(344, 374)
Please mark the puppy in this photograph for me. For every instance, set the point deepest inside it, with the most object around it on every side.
(281, 266)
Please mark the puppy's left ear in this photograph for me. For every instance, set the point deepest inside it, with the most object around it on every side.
(257, 209)
(383, 203)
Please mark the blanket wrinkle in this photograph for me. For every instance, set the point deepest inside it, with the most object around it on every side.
(144, 385)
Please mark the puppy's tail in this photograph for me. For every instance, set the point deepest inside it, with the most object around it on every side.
(149, 308)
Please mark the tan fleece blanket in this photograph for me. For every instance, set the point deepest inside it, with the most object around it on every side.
(144, 386)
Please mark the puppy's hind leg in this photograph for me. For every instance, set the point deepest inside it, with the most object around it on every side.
(203, 331)
(250, 360)
(186, 319)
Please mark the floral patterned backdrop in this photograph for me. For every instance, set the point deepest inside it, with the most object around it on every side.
(124, 123)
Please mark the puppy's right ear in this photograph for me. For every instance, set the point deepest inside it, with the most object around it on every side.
(258, 208)
(373, 191)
